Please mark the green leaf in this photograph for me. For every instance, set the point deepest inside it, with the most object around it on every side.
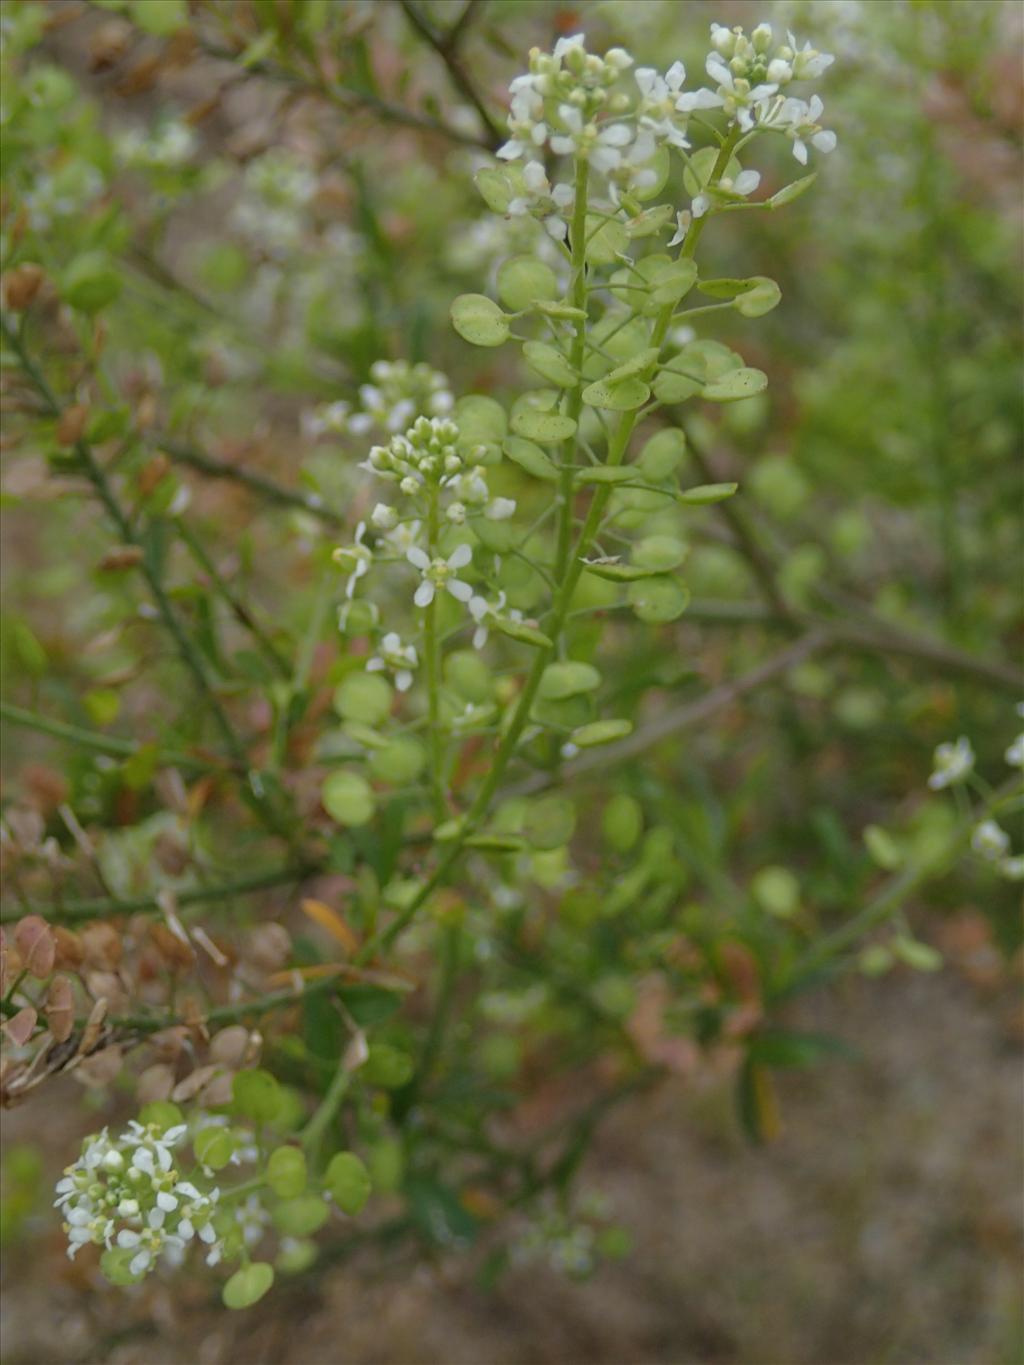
(399, 760)
(481, 421)
(286, 1171)
(601, 732)
(760, 297)
(160, 17)
(163, 1113)
(550, 364)
(549, 822)
(883, 848)
(662, 455)
(91, 282)
(523, 280)
(614, 570)
(622, 822)
(348, 1181)
(622, 397)
(495, 843)
(790, 192)
(699, 166)
(776, 891)
(705, 493)
(530, 457)
(301, 1216)
(659, 554)
(347, 798)
(604, 474)
(519, 630)
(248, 1285)
(921, 956)
(735, 384)
(547, 427)
(363, 697)
(559, 681)
(606, 240)
(679, 380)
(479, 320)
(638, 364)
(256, 1095)
(387, 1066)
(499, 185)
(658, 600)
(214, 1147)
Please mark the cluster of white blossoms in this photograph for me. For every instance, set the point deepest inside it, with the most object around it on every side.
(169, 144)
(952, 765)
(575, 103)
(399, 392)
(128, 1194)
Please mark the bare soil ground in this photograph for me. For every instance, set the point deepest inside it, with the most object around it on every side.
(884, 1226)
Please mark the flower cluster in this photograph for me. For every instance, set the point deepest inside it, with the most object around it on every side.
(749, 73)
(573, 103)
(953, 765)
(128, 1194)
(399, 392)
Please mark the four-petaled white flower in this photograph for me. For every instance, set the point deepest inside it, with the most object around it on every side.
(990, 841)
(400, 659)
(658, 102)
(439, 573)
(480, 609)
(361, 557)
(600, 144)
(952, 763)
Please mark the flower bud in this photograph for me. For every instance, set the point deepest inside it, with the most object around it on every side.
(384, 517)
(456, 513)
(762, 37)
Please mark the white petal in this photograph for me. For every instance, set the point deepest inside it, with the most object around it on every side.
(825, 141)
(746, 182)
(459, 590)
(128, 1239)
(616, 135)
(460, 557)
(139, 1263)
(403, 680)
(417, 558)
(424, 593)
(800, 152)
(166, 1201)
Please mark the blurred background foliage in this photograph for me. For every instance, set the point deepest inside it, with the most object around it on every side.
(248, 203)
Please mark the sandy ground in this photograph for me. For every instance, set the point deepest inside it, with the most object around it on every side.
(883, 1226)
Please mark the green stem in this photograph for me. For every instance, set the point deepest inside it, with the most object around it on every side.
(105, 907)
(102, 744)
(558, 615)
(237, 608)
(432, 650)
(574, 405)
(312, 1134)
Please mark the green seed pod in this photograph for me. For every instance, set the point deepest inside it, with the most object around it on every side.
(347, 798)
(286, 1171)
(348, 1181)
(401, 760)
(364, 697)
(622, 822)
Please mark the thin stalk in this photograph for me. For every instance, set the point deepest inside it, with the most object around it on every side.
(432, 650)
(107, 907)
(555, 625)
(237, 608)
(312, 1134)
(102, 744)
(574, 403)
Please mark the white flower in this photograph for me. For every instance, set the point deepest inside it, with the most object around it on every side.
(600, 145)
(437, 573)
(1013, 868)
(799, 120)
(480, 609)
(683, 220)
(400, 659)
(361, 556)
(989, 841)
(658, 102)
(952, 763)
(1015, 753)
(542, 200)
